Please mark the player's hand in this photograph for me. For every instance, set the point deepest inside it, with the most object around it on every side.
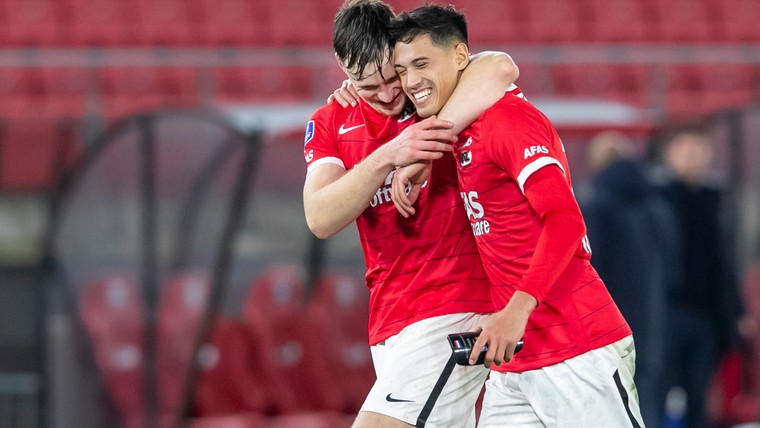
(502, 330)
(344, 95)
(424, 141)
(406, 186)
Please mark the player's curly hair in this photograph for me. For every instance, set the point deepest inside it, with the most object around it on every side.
(360, 34)
(444, 25)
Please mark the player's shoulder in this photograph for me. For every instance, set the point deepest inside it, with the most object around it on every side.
(331, 112)
(514, 104)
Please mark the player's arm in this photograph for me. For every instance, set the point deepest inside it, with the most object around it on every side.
(334, 197)
(483, 83)
(551, 198)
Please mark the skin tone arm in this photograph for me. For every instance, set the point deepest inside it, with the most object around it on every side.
(482, 84)
(334, 198)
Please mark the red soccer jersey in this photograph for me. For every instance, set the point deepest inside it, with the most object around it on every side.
(495, 157)
(416, 269)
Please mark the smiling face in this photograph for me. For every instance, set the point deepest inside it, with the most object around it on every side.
(429, 73)
(381, 90)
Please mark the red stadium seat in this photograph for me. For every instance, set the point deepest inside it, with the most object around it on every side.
(35, 23)
(339, 311)
(244, 84)
(738, 20)
(170, 22)
(699, 89)
(492, 22)
(292, 355)
(182, 302)
(112, 313)
(246, 420)
(103, 23)
(550, 21)
(230, 378)
(685, 21)
(131, 90)
(298, 22)
(310, 420)
(32, 151)
(238, 22)
(618, 21)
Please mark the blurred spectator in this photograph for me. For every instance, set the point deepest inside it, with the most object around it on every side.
(630, 230)
(734, 394)
(702, 309)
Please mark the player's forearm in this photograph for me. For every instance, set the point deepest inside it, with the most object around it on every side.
(332, 207)
(561, 233)
(483, 83)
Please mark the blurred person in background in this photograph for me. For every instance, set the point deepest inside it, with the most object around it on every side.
(734, 394)
(422, 286)
(703, 307)
(630, 228)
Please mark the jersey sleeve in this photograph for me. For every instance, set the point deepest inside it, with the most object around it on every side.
(520, 140)
(320, 142)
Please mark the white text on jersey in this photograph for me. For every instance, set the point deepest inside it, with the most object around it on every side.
(475, 212)
(383, 194)
(534, 150)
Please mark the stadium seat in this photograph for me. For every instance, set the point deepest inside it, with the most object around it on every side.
(685, 20)
(553, 21)
(127, 91)
(104, 23)
(299, 23)
(310, 420)
(292, 356)
(495, 22)
(699, 89)
(112, 314)
(230, 375)
(237, 22)
(245, 420)
(339, 312)
(245, 84)
(182, 302)
(35, 23)
(32, 151)
(170, 22)
(738, 20)
(612, 21)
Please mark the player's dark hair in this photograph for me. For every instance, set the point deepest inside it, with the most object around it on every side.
(360, 34)
(444, 25)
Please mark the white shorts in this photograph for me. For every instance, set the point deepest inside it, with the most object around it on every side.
(594, 389)
(417, 379)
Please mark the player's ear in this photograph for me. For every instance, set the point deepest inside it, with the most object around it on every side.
(462, 56)
(340, 63)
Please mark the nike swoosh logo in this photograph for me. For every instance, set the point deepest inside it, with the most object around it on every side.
(396, 400)
(343, 130)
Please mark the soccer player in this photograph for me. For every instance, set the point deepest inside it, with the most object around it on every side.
(576, 368)
(422, 285)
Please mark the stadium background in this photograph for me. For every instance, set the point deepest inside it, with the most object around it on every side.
(150, 174)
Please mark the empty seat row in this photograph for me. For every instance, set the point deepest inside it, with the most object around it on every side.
(303, 22)
(34, 152)
(288, 355)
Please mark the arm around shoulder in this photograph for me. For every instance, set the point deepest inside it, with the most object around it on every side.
(483, 83)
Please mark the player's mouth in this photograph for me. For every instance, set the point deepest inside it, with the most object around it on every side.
(422, 96)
